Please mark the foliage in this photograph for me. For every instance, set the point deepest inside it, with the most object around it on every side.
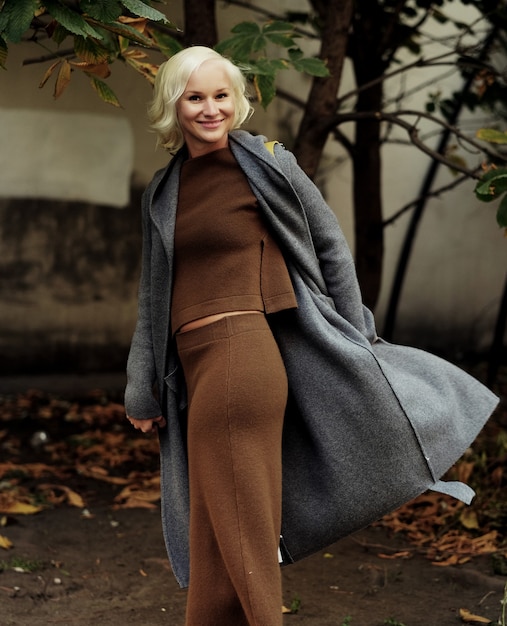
(493, 184)
(248, 46)
(128, 31)
(101, 32)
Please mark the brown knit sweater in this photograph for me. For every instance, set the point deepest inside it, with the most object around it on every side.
(225, 259)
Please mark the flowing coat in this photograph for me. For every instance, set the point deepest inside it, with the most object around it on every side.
(369, 425)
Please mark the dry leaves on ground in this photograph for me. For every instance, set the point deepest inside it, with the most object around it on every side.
(72, 441)
(52, 447)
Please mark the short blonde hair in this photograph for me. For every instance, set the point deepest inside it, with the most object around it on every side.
(170, 83)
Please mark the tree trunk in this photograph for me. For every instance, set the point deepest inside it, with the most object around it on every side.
(335, 17)
(366, 158)
(200, 23)
(367, 196)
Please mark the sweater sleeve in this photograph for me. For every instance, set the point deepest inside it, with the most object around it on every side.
(140, 401)
(331, 247)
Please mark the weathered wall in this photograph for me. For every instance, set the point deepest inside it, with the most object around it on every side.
(68, 284)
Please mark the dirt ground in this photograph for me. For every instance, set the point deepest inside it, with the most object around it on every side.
(105, 567)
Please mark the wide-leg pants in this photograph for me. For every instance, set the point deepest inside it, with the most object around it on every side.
(237, 390)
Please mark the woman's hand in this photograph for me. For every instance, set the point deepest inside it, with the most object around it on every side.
(148, 425)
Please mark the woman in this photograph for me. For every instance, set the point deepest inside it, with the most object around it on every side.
(250, 321)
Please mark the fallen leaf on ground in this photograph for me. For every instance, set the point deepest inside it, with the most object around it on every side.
(135, 503)
(470, 618)
(69, 495)
(36, 470)
(11, 506)
(405, 554)
(5, 543)
(469, 519)
(99, 473)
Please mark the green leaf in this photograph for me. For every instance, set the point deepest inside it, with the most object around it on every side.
(501, 215)
(281, 39)
(280, 33)
(249, 39)
(59, 34)
(168, 45)
(71, 20)
(246, 29)
(238, 47)
(265, 88)
(312, 66)
(492, 185)
(15, 18)
(3, 53)
(491, 135)
(499, 184)
(143, 10)
(295, 54)
(278, 26)
(102, 10)
(105, 92)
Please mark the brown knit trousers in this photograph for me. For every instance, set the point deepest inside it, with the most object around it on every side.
(237, 389)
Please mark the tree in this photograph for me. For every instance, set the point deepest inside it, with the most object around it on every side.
(372, 35)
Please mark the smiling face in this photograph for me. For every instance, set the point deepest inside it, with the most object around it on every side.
(206, 109)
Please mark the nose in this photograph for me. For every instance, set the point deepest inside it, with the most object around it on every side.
(210, 107)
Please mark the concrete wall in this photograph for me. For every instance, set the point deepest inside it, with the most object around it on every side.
(71, 175)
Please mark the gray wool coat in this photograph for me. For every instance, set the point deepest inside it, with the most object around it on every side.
(369, 425)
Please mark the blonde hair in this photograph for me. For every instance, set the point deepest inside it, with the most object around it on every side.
(170, 83)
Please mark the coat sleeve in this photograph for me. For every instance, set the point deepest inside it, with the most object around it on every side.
(333, 253)
(140, 401)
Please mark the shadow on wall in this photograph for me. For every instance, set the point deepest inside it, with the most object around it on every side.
(68, 285)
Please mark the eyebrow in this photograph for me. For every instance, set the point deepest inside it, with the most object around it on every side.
(200, 92)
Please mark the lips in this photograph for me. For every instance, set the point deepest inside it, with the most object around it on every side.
(211, 125)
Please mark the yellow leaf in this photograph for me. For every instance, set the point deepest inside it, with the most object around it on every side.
(48, 73)
(148, 70)
(19, 508)
(63, 79)
(73, 498)
(99, 473)
(99, 69)
(139, 23)
(5, 543)
(286, 610)
(469, 520)
(470, 618)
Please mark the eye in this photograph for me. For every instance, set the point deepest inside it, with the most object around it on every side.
(194, 98)
(220, 96)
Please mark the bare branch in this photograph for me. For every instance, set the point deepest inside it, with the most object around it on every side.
(291, 98)
(413, 133)
(420, 62)
(432, 194)
(49, 57)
